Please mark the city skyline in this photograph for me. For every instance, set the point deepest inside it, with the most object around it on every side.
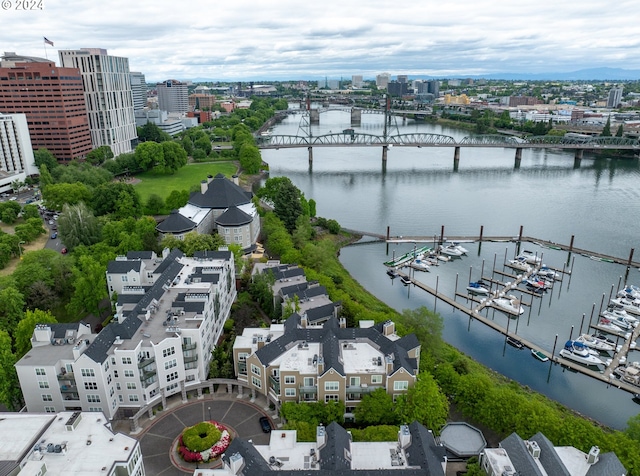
(284, 40)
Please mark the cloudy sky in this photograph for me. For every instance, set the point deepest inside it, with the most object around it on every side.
(287, 39)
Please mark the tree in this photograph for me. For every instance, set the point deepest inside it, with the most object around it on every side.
(11, 308)
(204, 144)
(376, 408)
(424, 402)
(426, 325)
(148, 154)
(250, 158)
(174, 157)
(57, 195)
(154, 205)
(606, 130)
(90, 286)
(285, 198)
(78, 226)
(10, 394)
(24, 329)
(43, 157)
(116, 197)
(177, 199)
(620, 131)
(194, 241)
(151, 132)
(100, 155)
(31, 211)
(45, 176)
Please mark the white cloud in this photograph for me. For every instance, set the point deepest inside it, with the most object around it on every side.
(288, 39)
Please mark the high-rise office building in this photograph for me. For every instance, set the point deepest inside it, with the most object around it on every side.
(173, 96)
(107, 92)
(356, 81)
(382, 80)
(615, 97)
(16, 154)
(52, 99)
(139, 90)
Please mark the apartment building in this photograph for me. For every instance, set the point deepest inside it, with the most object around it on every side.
(66, 443)
(53, 100)
(173, 96)
(107, 90)
(170, 312)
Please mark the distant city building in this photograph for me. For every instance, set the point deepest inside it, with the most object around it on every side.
(66, 443)
(170, 313)
(402, 78)
(199, 102)
(16, 154)
(172, 124)
(173, 96)
(615, 97)
(52, 99)
(397, 88)
(356, 81)
(453, 99)
(382, 80)
(139, 90)
(332, 83)
(454, 82)
(515, 101)
(108, 96)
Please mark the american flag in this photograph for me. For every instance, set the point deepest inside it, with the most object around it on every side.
(48, 42)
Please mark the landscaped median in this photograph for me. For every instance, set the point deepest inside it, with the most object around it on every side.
(203, 442)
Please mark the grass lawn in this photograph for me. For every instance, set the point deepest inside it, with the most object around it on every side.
(183, 179)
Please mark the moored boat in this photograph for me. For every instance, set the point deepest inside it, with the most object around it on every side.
(459, 247)
(406, 280)
(512, 341)
(630, 305)
(450, 250)
(392, 273)
(547, 272)
(629, 373)
(597, 344)
(509, 304)
(530, 257)
(619, 319)
(539, 355)
(419, 264)
(578, 352)
(520, 264)
(478, 287)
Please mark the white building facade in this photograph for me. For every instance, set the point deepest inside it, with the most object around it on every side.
(16, 153)
(170, 312)
(173, 96)
(107, 88)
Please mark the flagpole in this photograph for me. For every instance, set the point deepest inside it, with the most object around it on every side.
(45, 48)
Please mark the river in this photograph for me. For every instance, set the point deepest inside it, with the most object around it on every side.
(419, 193)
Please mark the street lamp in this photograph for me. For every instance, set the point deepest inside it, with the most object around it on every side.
(209, 409)
(20, 248)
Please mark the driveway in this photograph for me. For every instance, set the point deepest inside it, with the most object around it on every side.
(158, 438)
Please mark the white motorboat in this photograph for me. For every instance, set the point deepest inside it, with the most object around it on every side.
(457, 246)
(630, 292)
(478, 287)
(530, 257)
(629, 373)
(606, 324)
(450, 250)
(620, 318)
(630, 305)
(596, 344)
(536, 283)
(420, 265)
(578, 352)
(406, 280)
(549, 273)
(509, 304)
(520, 264)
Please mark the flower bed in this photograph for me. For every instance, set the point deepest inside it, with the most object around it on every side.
(203, 442)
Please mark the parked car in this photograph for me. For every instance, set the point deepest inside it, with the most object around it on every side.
(54, 235)
(265, 424)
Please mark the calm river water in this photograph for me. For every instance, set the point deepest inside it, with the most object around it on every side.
(420, 192)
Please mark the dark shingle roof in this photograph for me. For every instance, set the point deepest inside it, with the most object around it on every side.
(221, 193)
(549, 458)
(123, 266)
(423, 450)
(607, 465)
(234, 217)
(320, 313)
(209, 254)
(140, 255)
(520, 457)
(176, 223)
(333, 454)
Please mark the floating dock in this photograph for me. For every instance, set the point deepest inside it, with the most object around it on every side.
(407, 257)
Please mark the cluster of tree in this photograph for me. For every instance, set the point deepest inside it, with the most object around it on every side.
(305, 417)
(28, 227)
(163, 158)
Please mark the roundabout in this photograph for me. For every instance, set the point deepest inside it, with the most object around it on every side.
(160, 439)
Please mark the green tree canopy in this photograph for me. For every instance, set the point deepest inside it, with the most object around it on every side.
(148, 154)
(151, 132)
(118, 198)
(376, 408)
(100, 155)
(10, 394)
(43, 156)
(57, 195)
(24, 329)
(78, 226)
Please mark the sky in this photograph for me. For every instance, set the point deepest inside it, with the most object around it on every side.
(277, 40)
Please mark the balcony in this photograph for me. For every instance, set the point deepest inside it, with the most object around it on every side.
(191, 358)
(146, 362)
(72, 397)
(307, 389)
(362, 388)
(147, 375)
(66, 376)
(275, 384)
(68, 389)
(186, 347)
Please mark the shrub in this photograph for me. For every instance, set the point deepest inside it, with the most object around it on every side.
(201, 436)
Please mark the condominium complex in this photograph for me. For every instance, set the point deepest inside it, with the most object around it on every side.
(108, 96)
(53, 100)
(615, 97)
(16, 154)
(170, 312)
(320, 359)
(66, 443)
(173, 96)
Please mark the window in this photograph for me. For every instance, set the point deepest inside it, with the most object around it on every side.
(172, 376)
(43, 384)
(242, 356)
(289, 392)
(124, 279)
(126, 360)
(95, 409)
(47, 398)
(111, 392)
(330, 398)
(128, 373)
(87, 372)
(331, 386)
(90, 386)
(169, 351)
(290, 380)
(131, 385)
(170, 364)
(401, 385)
(256, 382)
(108, 379)
(118, 385)
(308, 382)
(255, 370)
(354, 381)
(40, 372)
(376, 379)
(93, 398)
(50, 409)
(133, 398)
(115, 373)
(120, 398)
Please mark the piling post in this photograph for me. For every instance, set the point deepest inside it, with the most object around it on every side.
(630, 260)
(593, 309)
(388, 230)
(518, 159)
(481, 233)
(442, 235)
(456, 158)
(582, 323)
(385, 149)
(571, 333)
(555, 341)
(571, 243)
(310, 149)
(520, 234)
(577, 158)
